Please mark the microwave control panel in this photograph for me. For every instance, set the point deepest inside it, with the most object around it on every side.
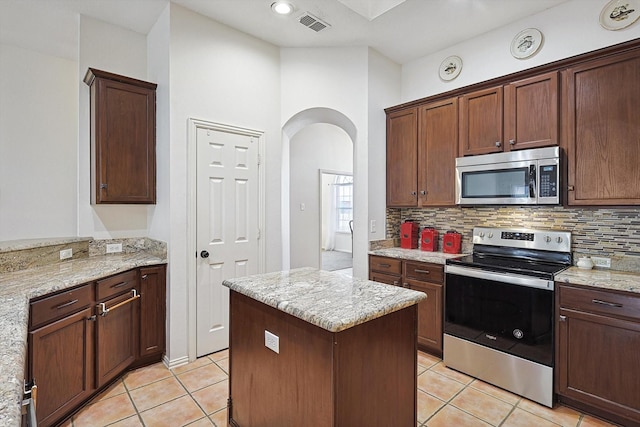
(548, 180)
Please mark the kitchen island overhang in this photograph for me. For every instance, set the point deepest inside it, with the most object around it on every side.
(346, 351)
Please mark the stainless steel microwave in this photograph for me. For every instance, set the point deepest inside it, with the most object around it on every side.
(526, 177)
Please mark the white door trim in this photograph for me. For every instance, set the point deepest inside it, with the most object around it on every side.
(193, 126)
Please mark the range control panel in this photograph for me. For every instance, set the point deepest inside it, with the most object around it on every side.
(549, 240)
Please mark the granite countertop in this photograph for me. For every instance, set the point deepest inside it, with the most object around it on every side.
(329, 300)
(604, 279)
(17, 288)
(415, 255)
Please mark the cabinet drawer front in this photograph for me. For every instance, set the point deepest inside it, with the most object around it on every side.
(388, 279)
(602, 302)
(116, 284)
(60, 305)
(385, 265)
(424, 271)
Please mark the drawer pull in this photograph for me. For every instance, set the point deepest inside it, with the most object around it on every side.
(119, 285)
(67, 304)
(103, 310)
(421, 271)
(385, 265)
(396, 283)
(144, 277)
(610, 304)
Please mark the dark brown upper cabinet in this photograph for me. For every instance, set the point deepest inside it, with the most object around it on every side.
(603, 130)
(123, 135)
(520, 115)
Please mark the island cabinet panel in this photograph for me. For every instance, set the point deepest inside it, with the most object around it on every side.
(364, 375)
(598, 364)
(603, 131)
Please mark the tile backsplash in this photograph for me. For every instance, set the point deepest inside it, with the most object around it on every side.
(610, 232)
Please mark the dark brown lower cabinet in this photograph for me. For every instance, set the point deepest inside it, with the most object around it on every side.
(117, 335)
(598, 362)
(61, 361)
(74, 351)
(362, 376)
(419, 276)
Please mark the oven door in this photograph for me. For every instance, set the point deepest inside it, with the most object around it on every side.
(512, 183)
(505, 312)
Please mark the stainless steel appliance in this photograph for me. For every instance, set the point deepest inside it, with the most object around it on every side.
(499, 309)
(526, 177)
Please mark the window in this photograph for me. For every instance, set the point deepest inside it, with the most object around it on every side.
(344, 202)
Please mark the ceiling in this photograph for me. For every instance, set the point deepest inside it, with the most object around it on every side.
(400, 30)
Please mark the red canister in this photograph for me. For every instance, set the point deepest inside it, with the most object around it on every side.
(429, 239)
(409, 234)
(451, 242)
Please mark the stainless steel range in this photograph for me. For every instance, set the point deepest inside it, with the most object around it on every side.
(499, 309)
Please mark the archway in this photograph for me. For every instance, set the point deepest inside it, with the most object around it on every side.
(294, 125)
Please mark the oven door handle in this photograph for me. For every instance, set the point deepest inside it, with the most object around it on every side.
(510, 278)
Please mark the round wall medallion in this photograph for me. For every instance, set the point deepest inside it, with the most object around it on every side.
(619, 14)
(526, 43)
(450, 68)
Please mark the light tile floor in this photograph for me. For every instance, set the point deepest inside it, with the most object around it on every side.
(195, 395)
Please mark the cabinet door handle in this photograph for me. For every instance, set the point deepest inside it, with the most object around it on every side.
(384, 265)
(498, 144)
(66, 304)
(405, 285)
(103, 310)
(571, 188)
(396, 283)
(607, 303)
(563, 318)
(119, 285)
(413, 193)
(512, 142)
(421, 271)
(144, 276)
(423, 192)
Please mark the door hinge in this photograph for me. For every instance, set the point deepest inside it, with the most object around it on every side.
(259, 234)
(259, 160)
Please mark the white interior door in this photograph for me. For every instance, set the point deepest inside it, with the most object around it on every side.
(227, 228)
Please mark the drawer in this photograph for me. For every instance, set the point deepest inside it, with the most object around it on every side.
(388, 279)
(117, 284)
(385, 265)
(60, 305)
(423, 271)
(600, 302)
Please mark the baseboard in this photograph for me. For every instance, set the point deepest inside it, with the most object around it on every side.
(175, 362)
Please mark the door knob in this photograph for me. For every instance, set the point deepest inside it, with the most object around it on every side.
(204, 254)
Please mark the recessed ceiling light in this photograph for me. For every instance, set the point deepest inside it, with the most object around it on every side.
(282, 7)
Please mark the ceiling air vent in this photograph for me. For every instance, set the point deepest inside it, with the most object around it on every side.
(310, 21)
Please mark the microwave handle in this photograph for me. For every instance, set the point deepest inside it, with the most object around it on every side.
(532, 181)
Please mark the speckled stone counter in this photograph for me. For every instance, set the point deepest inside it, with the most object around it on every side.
(332, 301)
(605, 279)
(18, 287)
(415, 255)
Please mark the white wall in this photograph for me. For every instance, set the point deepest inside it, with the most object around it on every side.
(568, 29)
(117, 50)
(317, 147)
(222, 75)
(333, 78)
(384, 91)
(38, 144)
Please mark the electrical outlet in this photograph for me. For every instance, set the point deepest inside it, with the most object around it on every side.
(601, 261)
(272, 341)
(66, 253)
(113, 248)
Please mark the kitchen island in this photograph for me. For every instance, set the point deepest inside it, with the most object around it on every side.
(310, 347)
